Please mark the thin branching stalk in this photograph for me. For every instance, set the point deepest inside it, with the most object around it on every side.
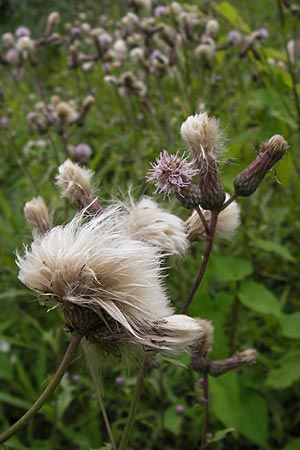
(203, 443)
(134, 404)
(209, 243)
(70, 352)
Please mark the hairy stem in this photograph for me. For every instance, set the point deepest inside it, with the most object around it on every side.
(72, 347)
(134, 404)
(209, 243)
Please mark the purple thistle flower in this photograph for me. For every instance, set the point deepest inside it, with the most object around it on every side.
(171, 173)
(262, 33)
(22, 31)
(234, 37)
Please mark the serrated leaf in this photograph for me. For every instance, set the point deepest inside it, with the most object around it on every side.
(257, 297)
(230, 268)
(287, 373)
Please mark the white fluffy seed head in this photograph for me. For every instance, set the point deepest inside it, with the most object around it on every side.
(228, 222)
(181, 333)
(66, 113)
(37, 216)
(92, 265)
(147, 222)
(74, 182)
(202, 133)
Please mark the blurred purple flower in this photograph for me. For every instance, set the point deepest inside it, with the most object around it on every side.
(22, 31)
(82, 153)
(234, 37)
(171, 173)
(120, 381)
(180, 410)
(262, 33)
(160, 10)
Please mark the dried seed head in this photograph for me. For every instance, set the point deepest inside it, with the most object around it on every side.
(212, 27)
(206, 141)
(228, 222)
(94, 266)
(66, 113)
(203, 135)
(37, 216)
(146, 221)
(74, 183)
(182, 333)
(270, 153)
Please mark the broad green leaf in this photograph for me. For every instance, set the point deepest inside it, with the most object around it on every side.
(290, 325)
(230, 268)
(172, 421)
(257, 297)
(287, 373)
(225, 398)
(233, 17)
(274, 247)
(254, 417)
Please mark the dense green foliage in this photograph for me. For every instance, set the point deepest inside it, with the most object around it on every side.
(251, 288)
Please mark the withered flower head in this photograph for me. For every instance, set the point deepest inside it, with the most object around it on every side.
(206, 141)
(108, 285)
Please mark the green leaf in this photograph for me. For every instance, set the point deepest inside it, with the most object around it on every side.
(287, 373)
(290, 325)
(254, 417)
(15, 401)
(273, 247)
(172, 421)
(225, 396)
(292, 445)
(220, 435)
(257, 297)
(5, 367)
(233, 17)
(230, 268)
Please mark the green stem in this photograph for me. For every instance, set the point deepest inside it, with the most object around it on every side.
(73, 345)
(134, 404)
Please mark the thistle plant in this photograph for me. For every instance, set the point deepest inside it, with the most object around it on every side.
(103, 269)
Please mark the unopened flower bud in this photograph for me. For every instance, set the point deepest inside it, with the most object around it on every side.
(270, 153)
(36, 214)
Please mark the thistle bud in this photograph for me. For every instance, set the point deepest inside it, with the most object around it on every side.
(37, 216)
(270, 153)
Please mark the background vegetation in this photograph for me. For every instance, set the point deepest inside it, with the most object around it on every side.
(251, 288)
